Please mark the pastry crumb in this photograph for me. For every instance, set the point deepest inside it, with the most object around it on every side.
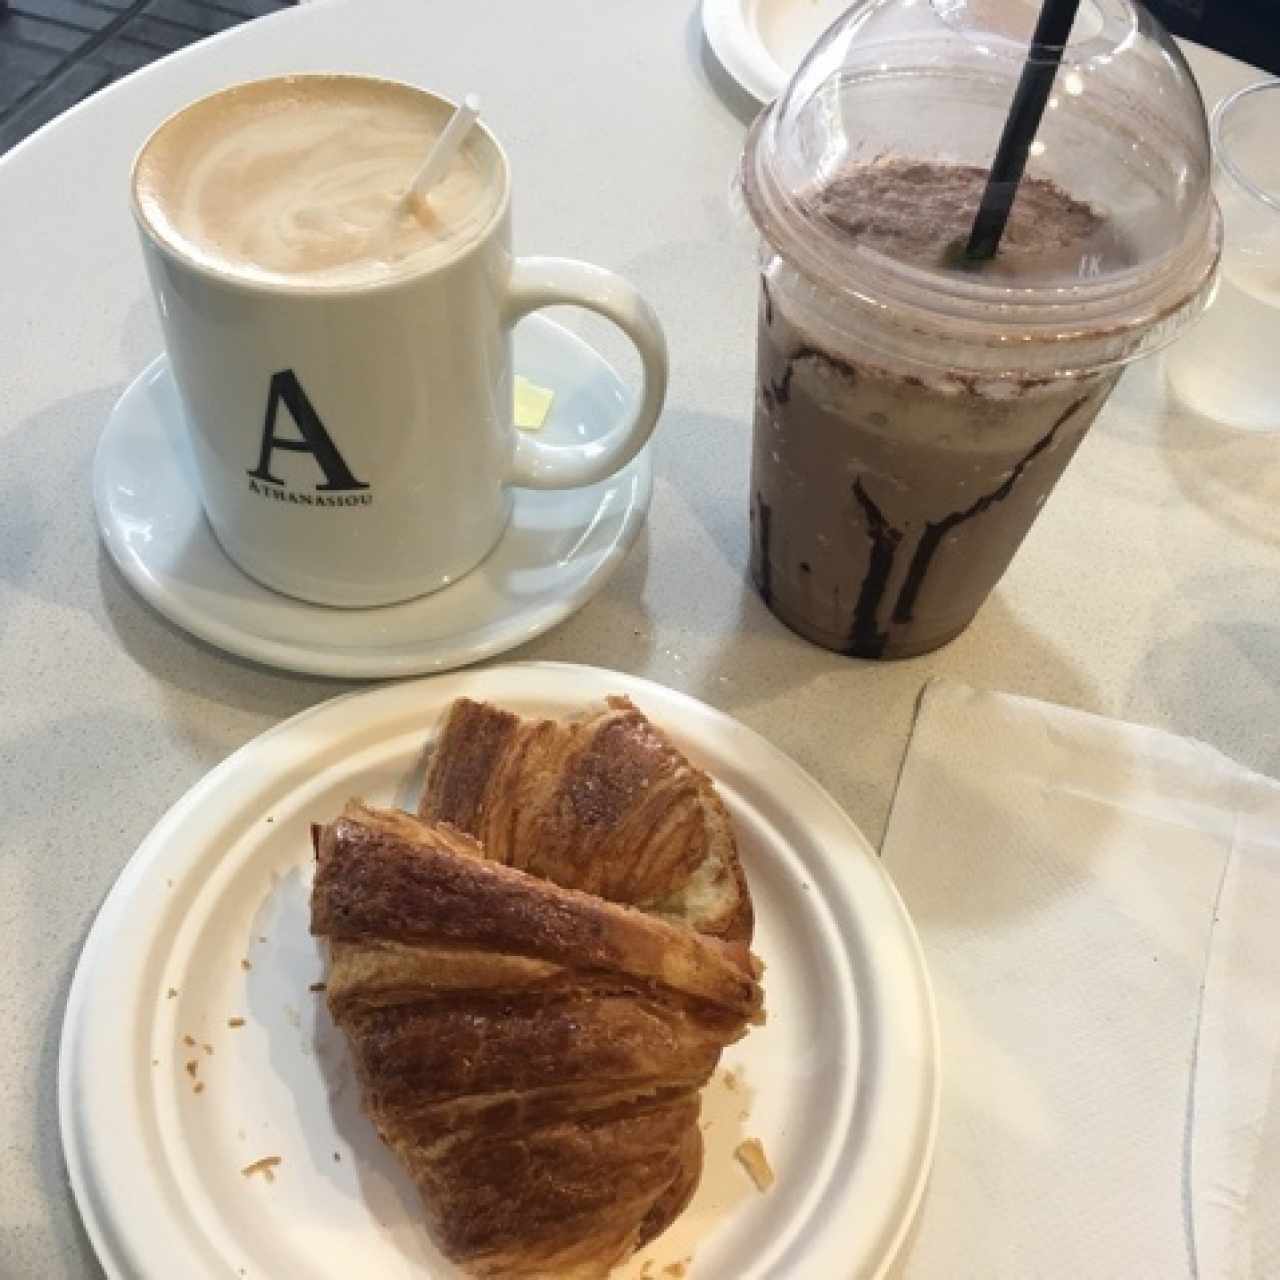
(173, 991)
(731, 1080)
(235, 1022)
(245, 965)
(198, 1087)
(337, 1159)
(317, 986)
(750, 1155)
(189, 1042)
(266, 1166)
(675, 1270)
(262, 937)
(208, 1048)
(192, 1067)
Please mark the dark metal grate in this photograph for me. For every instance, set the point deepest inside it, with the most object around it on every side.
(53, 53)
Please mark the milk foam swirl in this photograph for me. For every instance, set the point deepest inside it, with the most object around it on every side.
(299, 181)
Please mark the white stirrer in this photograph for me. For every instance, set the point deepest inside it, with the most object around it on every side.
(446, 147)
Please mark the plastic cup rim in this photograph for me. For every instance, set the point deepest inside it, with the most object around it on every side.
(1221, 152)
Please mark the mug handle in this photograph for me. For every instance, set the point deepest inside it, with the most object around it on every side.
(544, 282)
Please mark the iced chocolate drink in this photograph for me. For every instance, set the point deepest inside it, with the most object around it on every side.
(914, 408)
(887, 497)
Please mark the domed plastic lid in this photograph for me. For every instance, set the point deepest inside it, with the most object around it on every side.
(865, 176)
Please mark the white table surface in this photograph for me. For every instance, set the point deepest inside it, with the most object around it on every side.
(1150, 588)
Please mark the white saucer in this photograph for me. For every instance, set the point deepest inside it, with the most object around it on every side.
(761, 42)
(558, 551)
(840, 1085)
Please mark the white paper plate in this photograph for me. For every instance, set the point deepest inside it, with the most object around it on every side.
(841, 1085)
(559, 548)
(761, 42)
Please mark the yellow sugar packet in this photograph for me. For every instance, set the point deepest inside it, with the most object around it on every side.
(533, 403)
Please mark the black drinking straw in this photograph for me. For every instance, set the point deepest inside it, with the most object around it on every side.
(1047, 42)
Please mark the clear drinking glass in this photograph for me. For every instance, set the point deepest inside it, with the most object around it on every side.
(1227, 368)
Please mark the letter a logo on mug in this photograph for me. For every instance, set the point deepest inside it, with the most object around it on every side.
(315, 439)
(383, 332)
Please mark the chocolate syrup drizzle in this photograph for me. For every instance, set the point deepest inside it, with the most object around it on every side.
(781, 389)
(764, 577)
(865, 639)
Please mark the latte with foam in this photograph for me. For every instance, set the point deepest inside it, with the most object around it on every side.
(299, 181)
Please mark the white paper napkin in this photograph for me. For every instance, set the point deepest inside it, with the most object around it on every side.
(1100, 907)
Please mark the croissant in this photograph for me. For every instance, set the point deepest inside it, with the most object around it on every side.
(533, 1053)
(606, 804)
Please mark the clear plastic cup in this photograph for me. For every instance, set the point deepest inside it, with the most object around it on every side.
(913, 410)
(1227, 368)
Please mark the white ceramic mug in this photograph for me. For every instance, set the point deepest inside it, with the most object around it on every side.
(355, 445)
